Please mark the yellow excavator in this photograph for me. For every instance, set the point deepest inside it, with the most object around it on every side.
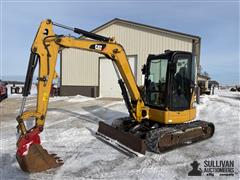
(161, 113)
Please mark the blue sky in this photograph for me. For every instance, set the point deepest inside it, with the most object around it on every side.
(216, 22)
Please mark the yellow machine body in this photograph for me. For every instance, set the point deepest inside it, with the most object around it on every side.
(44, 52)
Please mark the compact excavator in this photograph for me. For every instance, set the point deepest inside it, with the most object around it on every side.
(161, 113)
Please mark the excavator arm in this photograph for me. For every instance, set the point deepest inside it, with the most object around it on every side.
(116, 53)
(44, 51)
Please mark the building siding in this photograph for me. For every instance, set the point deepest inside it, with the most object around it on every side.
(81, 67)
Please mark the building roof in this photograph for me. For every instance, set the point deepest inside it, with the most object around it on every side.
(144, 26)
(214, 82)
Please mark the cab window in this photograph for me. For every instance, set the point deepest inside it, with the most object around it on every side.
(156, 82)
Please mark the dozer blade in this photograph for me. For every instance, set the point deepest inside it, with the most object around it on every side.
(123, 141)
(37, 159)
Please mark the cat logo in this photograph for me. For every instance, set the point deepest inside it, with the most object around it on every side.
(99, 47)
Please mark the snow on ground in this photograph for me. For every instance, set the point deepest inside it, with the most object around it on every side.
(77, 98)
(70, 132)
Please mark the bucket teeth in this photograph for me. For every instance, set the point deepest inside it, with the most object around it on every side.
(53, 155)
(37, 159)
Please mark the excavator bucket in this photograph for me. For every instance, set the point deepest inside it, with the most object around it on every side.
(38, 159)
(32, 157)
(126, 142)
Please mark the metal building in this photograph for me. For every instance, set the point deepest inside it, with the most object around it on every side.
(203, 83)
(91, 74)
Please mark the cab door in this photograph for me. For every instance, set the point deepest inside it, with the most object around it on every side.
(181, 83)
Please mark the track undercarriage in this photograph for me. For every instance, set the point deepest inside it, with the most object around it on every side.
(136, 138)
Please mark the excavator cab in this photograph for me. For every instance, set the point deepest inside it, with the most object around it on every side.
(169, 80)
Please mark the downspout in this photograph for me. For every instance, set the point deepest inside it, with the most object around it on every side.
(197, 56)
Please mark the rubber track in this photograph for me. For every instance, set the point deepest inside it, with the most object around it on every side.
(154, 136)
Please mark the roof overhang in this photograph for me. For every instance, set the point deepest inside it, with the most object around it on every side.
(144, 26)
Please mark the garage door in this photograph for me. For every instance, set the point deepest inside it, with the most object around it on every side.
(108, 79)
